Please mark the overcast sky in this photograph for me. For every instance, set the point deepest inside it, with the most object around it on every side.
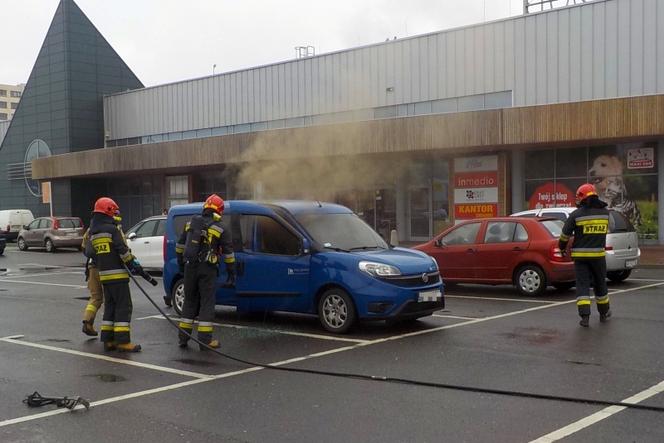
(169, 40)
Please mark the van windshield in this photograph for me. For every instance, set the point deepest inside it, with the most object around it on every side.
(341, 231)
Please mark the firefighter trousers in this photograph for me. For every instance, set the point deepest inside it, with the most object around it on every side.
(96, 295)
(199, 300)
(591, 272)
(117, 313)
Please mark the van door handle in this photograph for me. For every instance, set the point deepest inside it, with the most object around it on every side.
(517, 248)
(146, 242)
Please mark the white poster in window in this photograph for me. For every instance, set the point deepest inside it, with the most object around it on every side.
(641, 158)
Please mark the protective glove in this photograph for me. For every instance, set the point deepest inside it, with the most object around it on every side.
(231, 274)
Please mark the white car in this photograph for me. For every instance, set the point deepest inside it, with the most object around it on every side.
(146, 241)
(622, 242)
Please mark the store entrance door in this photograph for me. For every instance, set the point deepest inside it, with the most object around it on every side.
(419, 213)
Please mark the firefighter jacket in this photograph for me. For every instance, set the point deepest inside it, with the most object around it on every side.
(589, 225)
(110, 251)
(215, 241)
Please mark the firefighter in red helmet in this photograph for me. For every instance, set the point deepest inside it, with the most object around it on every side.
(589, 225)
(203, 243)
(111, 254)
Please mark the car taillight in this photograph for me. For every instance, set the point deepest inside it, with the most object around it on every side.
(56, 224)
(608, 248)
(555, 254)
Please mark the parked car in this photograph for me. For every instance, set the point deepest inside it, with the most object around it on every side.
(13, 220)
(313, 258)
(51, 233)
(622, 242)
(146, 241)
(502, 250)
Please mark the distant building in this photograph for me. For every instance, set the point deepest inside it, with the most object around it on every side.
(10, 95)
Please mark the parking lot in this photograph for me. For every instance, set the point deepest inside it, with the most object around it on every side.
(487, 337)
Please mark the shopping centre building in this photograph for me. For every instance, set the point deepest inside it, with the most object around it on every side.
(413, 134)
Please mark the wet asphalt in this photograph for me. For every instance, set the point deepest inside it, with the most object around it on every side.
(487, 337)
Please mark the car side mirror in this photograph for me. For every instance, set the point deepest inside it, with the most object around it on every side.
(131, 236)
(439, 242)
(26, 227)
(305, 246)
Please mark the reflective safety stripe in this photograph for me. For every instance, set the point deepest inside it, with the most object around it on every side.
(179, 247)
(184, 325)
(582, 301)
(126, 257)
(113, 277)
(215, 231)
(205, 323)
(91, 308)
(187, 320)
(602, 300)
(564, 237)
(106, 325)
(591, 217)
(588, 254)
(594, 221)
(229, 258)
(187, 226)
(101, 235)
(120, 328)
(204, 328)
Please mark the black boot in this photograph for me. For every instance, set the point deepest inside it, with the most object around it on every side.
(585, 321)
(605, 316)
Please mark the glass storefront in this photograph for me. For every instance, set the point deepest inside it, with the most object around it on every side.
(625, 176)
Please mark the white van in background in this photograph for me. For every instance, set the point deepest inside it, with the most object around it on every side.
(13, 220)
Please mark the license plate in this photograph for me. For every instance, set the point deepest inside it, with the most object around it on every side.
(429, 296)
(631, 263)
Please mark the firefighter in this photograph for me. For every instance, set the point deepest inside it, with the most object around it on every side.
(94, 287)
(589, 225)
(199, 249)
(111, 254)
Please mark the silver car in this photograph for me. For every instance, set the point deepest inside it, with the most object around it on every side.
(622, 243)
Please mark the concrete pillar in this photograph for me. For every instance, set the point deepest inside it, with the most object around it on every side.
(660, 191)
(402, 208)
(518, 181)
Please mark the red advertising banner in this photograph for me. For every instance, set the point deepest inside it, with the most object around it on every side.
(470, 211)
(551, 195)
(480, 179)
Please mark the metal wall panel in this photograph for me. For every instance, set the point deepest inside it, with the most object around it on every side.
(603, 49)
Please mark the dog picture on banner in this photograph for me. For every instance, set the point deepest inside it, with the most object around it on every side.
(606, 173)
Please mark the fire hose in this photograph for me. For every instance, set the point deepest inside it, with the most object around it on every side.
(394, 380)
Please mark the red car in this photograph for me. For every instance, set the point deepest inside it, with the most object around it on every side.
(503, 250)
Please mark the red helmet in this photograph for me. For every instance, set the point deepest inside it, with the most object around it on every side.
(585, 191)
(105, 205)
(215, 203)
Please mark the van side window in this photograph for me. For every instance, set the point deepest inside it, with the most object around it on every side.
(264, 234)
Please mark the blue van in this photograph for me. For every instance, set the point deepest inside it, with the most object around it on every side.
(313, 258)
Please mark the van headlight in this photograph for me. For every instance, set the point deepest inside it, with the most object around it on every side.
(378, 269)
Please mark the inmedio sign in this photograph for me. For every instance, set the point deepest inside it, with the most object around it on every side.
(475, 187)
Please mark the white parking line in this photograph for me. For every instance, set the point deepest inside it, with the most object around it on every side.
(519, 300)
(292, 360)
(599, 416)
(453, 316)
(16, 341)
(41, 283)
(9, 276)
(277, 331)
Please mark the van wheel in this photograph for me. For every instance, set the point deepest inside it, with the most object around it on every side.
(618, 276)
(177, 296)
(48, 244)
(336, 311)
(530, 281)
(22, 245)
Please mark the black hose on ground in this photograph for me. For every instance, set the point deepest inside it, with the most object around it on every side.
(405, 381)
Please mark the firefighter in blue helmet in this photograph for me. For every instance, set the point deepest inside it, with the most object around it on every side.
(111, 255)
(589, 225)
(202, 245)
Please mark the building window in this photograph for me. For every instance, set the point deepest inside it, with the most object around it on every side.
(3, 105)
(3, 116)
(625, 177)
(14, 105)
(3, 93)
(177, 190)
(14, 93)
